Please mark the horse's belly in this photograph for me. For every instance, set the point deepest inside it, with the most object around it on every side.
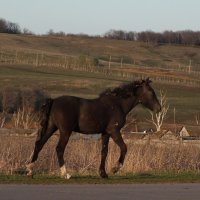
(92, 118)
(89, 127)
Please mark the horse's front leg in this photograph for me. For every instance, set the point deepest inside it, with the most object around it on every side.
(117, 138)
(104, 152)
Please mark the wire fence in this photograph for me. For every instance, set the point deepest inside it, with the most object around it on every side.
(185, 75)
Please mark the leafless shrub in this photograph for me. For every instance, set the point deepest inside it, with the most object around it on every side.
(24, 118)
(32, 98)
(197, 118)
(20, 107)
(11, 100)
(2, 120)
(158, 118)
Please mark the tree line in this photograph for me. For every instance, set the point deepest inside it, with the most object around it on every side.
(185, 37)
(12, 28)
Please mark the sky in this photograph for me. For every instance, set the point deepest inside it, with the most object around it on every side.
(96, 17)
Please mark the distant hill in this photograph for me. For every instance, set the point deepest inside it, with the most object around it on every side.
(178, 63)
(84, 66)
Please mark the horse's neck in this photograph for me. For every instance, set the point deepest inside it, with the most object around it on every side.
(128, 104)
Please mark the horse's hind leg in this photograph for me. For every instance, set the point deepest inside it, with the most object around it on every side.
(38, 147)
(116, 136)
(64, 138)
(104, 152)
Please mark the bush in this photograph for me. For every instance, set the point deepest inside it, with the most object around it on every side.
(95, 62)
(11, 100)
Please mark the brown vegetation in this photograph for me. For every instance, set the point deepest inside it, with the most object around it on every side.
(19, 108)
(28, 57)
(12, 99)
(83, 156)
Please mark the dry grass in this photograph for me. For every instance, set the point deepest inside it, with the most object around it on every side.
(12, 99)
(83, 156)
(24, 118)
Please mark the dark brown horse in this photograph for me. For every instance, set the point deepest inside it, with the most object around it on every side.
(105, 114)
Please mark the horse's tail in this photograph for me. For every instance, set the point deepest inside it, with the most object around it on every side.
(45, 113)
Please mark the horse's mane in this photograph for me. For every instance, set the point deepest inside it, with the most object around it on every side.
(124, 91)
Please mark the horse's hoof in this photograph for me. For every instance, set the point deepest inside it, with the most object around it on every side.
(30, 175)
(105, 176)
(29, 169)
(115, 170)
(66, 176)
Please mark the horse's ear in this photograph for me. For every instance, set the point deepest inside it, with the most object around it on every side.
(139, 83)
(142, 82)
(148, 81)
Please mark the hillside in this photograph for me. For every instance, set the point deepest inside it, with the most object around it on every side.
(168, 62)
(85, 66)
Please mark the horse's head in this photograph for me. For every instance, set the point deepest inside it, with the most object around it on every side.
(147, 96)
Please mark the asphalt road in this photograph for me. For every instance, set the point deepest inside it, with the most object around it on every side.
(101, 192)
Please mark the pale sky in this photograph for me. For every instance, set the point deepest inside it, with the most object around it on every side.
(95, 17)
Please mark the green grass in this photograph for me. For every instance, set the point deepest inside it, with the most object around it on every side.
(58, 81)
(118, 179)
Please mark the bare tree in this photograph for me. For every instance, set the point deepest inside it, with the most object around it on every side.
(27, 32)
(158, 118)
(2, 120)
(3, 25)
(13, 28)
(197, 119)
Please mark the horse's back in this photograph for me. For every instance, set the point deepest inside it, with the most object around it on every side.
(66, 103)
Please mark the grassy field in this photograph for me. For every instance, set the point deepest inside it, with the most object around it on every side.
(144, 163)
(141, 54)
(126, 179)
(59, 81)
(63, 66)
(143, 157)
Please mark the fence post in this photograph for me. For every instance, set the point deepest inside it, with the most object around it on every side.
(109, 62)
(36, 61)
(1, 57)
(15, 61)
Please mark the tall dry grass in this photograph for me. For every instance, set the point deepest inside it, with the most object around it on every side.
(83, 156)
(19, 108)
(12, 99)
